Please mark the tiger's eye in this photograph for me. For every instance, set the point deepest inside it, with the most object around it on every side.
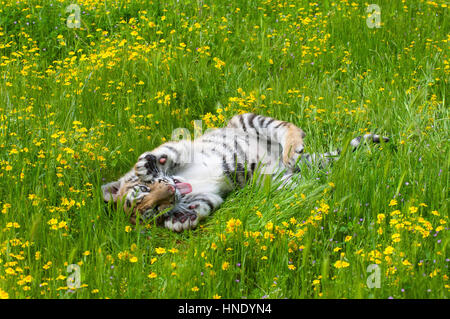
(144, 188)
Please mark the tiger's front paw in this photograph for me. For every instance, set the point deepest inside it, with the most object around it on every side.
(181, 220)
(150, 165)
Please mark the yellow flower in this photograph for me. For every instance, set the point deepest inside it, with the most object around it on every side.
(291, 267)
(152, 275)
(341, 264)
(216, 296)
(406, 262)
(195, 288)
(47, 265)
(160, 250)
(6, 206)
(396, 238)
(380, 218)
(133, 259)
(393, 202)
(348, 238)
(219, 63)
(232, 224)
(389, 250)
(395, 212)
(225, 265)
(3, 294)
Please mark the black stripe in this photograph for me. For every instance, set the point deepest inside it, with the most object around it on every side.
(269, 122)
(281, 124)
(250, 119)
(241, 172)
(261, 120)
(269, 146)
(241, 119)
(229, 173)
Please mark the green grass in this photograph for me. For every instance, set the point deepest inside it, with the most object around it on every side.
(78, 106)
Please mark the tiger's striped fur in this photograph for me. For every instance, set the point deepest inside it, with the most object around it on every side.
(211, 166)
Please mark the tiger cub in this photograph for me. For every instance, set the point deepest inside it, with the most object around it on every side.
(205, 170)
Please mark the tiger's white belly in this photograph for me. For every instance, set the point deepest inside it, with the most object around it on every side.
(204, 167)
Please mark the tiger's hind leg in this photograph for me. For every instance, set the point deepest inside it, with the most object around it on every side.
(286, 134)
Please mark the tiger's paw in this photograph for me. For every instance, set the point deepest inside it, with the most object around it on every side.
(181, 220)
(150, 164)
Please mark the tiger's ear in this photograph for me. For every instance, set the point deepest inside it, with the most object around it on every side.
(111, 191)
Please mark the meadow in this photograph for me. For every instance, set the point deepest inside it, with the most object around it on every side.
(80, 100)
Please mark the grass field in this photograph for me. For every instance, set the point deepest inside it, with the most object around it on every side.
(79, 104)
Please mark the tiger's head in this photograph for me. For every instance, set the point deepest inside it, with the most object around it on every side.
(145, 199)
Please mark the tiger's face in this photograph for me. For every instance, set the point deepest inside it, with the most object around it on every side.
(145, 199)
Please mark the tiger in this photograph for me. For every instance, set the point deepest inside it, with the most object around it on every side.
(198, 174)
